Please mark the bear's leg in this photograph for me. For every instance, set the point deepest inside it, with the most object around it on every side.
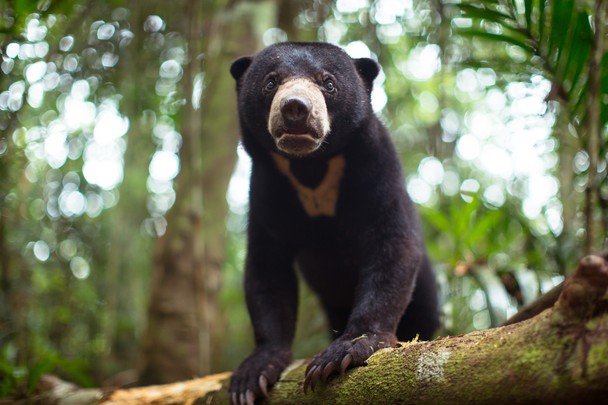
(421, 317)
(337, 318)
(387, 276)
(271, 292)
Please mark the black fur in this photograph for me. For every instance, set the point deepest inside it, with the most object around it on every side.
(367, 263)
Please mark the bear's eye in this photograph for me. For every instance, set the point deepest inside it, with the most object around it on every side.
(270, 85)
(329, 85)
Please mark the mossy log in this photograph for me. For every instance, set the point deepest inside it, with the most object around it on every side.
(559, 356)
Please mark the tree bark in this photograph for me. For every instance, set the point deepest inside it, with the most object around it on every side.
(558, 356)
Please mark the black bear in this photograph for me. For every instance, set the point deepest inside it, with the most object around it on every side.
(327, 198)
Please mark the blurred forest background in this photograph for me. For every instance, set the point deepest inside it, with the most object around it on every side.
(123, 193)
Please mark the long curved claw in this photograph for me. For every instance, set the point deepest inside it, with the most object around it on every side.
(315, 378)
(263, 384)
(234, 400)
(249, 397)
(346, 361)
(307, 378)
(312, 377)
(327, 371)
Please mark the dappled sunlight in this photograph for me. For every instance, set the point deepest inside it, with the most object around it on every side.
(85, 126)
(509, 138)
(423, 62)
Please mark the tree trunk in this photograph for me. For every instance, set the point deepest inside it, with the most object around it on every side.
(558, 356)
(179, 341)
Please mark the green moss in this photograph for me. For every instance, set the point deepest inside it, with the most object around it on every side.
(533, 361)
(597, 358)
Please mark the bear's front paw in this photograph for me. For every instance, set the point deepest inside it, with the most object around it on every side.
(256, 374)
(343, 353)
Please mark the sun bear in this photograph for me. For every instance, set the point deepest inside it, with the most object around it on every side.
(327, 197)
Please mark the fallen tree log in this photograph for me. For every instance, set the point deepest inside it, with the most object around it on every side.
(559, 356)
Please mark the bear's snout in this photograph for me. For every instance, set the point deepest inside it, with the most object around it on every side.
(295, 111)
(298, 120)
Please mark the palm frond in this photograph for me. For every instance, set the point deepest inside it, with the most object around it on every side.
(556, 33)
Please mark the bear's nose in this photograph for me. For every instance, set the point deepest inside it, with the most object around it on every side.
(295, 111)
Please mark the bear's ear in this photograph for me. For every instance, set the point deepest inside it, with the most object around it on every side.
(368, 70)
(239, 66)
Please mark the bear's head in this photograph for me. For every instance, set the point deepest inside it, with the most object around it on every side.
(302, 99)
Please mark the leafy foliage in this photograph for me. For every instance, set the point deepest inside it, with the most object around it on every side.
(555, 35)
(553, 39)
(558, 40)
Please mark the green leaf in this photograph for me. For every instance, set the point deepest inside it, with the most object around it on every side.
(483, 228)
(541, 20)
(498, 38)
(23, 8)
(604, 78)
(436, 218)
(37, 370)
(484, 13)
(528, 13)
(578, 107)
(561, 22)
(462, 216)
(604, 91)
(578, 57)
